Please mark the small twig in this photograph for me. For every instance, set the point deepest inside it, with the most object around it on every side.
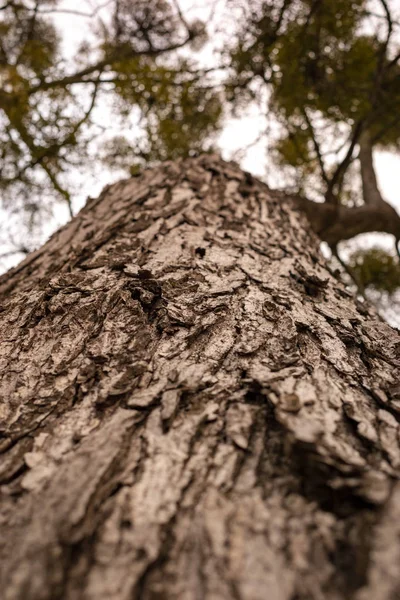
(78, 13)
(350, 272)
(21, 250)
(342, 167)
(371, 13)
(180, 14)
(388, 35)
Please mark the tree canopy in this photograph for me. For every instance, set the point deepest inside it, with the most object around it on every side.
(47, 102)
(333, 71)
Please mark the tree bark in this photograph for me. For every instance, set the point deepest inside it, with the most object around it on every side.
(371, 192)
(193, 406)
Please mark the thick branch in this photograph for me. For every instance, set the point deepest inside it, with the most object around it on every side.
(371, 193)
(334, 224)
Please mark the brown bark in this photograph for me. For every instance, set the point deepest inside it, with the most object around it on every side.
(193, 406)
(371, 193)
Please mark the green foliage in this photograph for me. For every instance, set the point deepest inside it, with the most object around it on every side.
(294, 149)
(48, 105)
(326, 64)
(179, 115)
(182, 126)
(377, 269)
(29, 43)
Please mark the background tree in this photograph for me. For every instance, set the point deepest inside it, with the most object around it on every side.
(333, 74)
(47, 102)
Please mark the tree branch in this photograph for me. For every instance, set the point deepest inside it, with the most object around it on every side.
(350, 272)
(389, 21)
(180, 14)
(341, 169)
(382, 56)
(316, 147)
(78, 13)
(395, 121)
(333, 223)
(63, 192)
(53, 149)
(116, 57)
(371, 193)
(393, 62)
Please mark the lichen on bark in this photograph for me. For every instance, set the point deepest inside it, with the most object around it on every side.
(193, 406)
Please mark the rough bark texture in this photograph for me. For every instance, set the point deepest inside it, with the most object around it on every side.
(193, 406)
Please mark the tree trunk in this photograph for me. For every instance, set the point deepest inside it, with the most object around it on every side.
(193, 406)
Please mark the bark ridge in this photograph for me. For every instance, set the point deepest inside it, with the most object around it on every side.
(193, 406)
